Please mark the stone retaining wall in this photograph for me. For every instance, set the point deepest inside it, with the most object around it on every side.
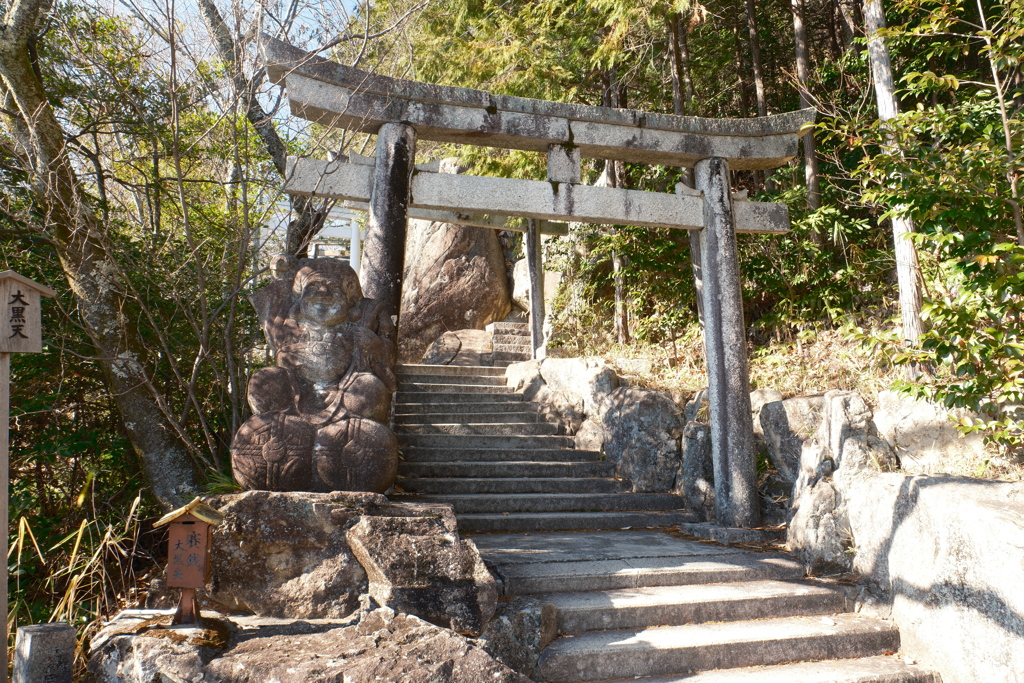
(942, 556)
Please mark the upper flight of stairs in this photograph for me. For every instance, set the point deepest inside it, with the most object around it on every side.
(510, 343)
(651, 607)
(468, 440)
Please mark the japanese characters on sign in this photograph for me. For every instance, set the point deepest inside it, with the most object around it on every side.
(187, 554)
(20, 319)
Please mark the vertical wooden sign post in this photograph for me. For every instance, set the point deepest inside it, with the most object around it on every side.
(21, 331)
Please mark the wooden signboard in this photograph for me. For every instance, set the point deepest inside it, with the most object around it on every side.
(21, 331)
(188, 554)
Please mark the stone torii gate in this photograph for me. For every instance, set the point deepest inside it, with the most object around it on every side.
(399, 111)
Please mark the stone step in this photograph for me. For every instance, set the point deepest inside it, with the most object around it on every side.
(884, 669)
(513, 356)
(421, 369)
(423, 387)
(483, 441)
(638, 572)
(564, 521)
(465, 428)
(509, 485)
(516, 339)
(676, 605)
(516, 418)
(544, 502)
(413, 454)
(601, 655)
(511, 328)
(498, 363)
(506, 469)
(513, 348)
(447, 395)
(460, 380)
(486, 407)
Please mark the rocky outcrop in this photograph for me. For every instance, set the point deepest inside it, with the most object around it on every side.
(519, 632)
(845, 448)
(638, 429)
(758, 399)
(461, 347)
(419, 565)
(521, 285)
(455, 279)
(696, 480)
(642, 429)
(945, 556)
(371, 646)
(287, 555)
(786, 426)
(925, 437)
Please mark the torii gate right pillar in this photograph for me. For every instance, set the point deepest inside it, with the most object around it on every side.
(725, 346)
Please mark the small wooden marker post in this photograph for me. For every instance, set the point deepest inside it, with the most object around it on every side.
(188, 554)
(21, 331)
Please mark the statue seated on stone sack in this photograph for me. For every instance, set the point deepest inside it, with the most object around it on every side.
(320, 414)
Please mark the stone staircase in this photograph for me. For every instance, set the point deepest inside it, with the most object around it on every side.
(643, 604)
(470, 441)
(651, 606)
(510, 344)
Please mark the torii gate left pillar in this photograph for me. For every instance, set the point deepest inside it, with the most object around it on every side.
(383, 258)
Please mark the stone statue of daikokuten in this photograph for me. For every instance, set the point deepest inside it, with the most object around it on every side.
(320, 414)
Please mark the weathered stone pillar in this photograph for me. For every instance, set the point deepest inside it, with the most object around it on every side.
(383, 257)
(725, 345)
(535, 268)
(44, 652)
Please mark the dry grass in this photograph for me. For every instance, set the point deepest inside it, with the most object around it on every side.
(818, 362)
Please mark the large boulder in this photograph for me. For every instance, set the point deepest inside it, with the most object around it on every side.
(454, 279)
(519, 632)
(287, 555)
(642, 432)
(371, 646)
(786, 425)
(925, 437)
(845, 448)
(638, 429)
(521, 285)
(419, 565)
(696, 478)
(758, 399)
(461, 347)
(946, 555)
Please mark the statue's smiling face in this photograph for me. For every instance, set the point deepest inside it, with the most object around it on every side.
(323, 302)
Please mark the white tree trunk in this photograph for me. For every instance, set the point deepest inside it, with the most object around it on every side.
(908, 271)
(803, 69)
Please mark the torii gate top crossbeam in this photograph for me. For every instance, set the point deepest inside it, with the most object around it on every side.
(341, 96)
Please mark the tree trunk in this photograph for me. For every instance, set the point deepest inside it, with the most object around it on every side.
(612, 177)
(682, 96)
(803, 69)
(908, 271)
(848, 23)
(755, 57)
(309, 214)
(679, 58)
(78, 235)
(744, 100)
